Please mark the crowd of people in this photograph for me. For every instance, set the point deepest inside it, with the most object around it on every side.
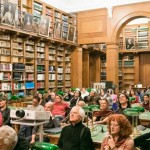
(66, 110)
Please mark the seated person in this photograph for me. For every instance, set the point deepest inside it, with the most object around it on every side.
(133, 95)
(103, 112)
(51, 124)
(146, 102)
(1, 119)
(51, 96)
(123, 104)
(76, 136)
(42, 100)
(5, 111)
(27, 130)
(143, 141)
(10, 141)
(119, 129)
(77, 97)
(59, 107)
(92, 99)
(66, 119)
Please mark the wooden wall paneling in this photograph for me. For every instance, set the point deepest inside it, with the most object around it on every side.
(76, 66)
(144, 69)
(92, 26)
(85, 69)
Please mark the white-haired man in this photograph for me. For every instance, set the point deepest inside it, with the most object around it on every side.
(10, 141)
(76, 136)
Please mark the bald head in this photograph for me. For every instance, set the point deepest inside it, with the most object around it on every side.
(48, 106)
(81, 103)
(8, 138)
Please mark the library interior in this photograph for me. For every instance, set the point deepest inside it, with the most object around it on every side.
(74, 75)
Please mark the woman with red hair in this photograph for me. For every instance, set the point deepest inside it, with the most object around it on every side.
(119, 130)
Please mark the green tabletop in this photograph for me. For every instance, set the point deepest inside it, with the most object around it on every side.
(99, 132)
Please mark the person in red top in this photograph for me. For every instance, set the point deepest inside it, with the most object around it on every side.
(132, 94)
(59, 107)
(1, 119)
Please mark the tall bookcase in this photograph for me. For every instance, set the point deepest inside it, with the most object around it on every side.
(30, 62)
(139, 35)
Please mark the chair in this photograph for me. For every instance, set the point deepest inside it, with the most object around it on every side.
(44, 146)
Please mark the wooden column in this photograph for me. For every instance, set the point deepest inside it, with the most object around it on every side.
(137, 73)
(85, 69)
(76, 67)
(112, 63)
(98, 66)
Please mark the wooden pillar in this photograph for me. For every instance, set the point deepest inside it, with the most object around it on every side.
(85, 70)
(137, 72)
(76, 67)
(112, 63)
(97, 71)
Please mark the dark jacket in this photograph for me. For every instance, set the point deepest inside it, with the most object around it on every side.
(6, 116)
(22, 144)
(51, 124)
(76, 137)
(143, 141)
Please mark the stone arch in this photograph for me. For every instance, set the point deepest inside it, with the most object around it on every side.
(125, 20)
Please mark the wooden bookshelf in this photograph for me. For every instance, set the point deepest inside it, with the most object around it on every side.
(45, 61)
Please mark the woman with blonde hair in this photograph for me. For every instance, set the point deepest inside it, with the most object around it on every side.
(119, 130)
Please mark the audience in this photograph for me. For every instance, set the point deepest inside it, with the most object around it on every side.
(146, 102)
(51, 96)
(92, 99)
(84, 93)
(60, 107)
(10, 141)
(42, 100)
(1, 119)
(123, 103)
(5, 111)
(51, 124)
(119, 130)
(35, 104)
(133, 95)
(103, 112)
(77, 97)
(27, 130)
(76, 136)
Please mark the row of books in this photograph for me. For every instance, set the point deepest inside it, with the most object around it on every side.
(5, 67)
(40, 85)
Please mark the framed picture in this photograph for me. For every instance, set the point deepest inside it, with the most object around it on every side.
(8, 14)
(36, 23)
(44, 26)
(57, 30)
(28, 22)
(130, 43)
(71, 33)
(18, 20)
